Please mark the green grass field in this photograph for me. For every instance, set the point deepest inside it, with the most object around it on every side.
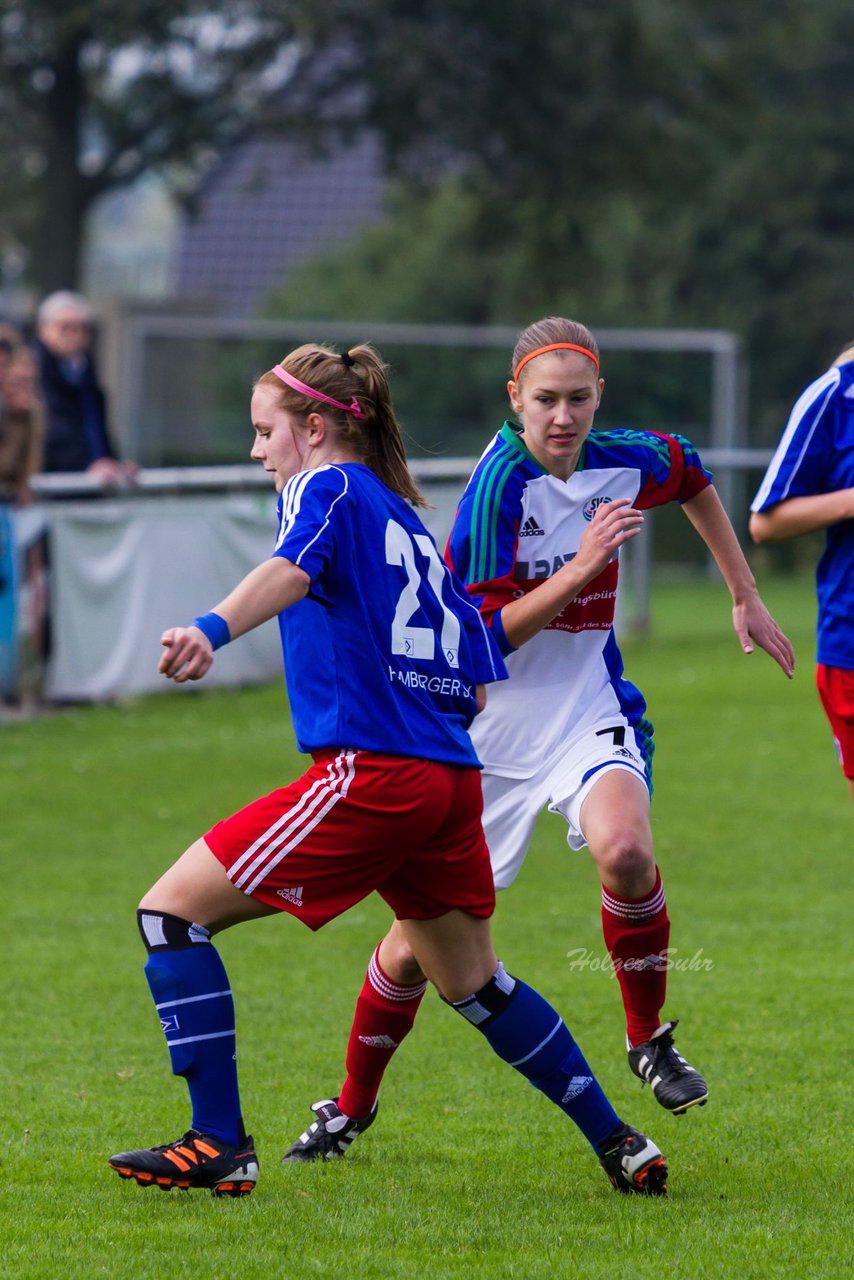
(468, 1173)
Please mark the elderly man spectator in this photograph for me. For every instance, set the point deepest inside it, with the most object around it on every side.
(76, 437)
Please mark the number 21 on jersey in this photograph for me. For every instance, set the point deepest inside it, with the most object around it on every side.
(419, 642)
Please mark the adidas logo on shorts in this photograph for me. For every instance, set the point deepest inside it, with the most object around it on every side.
(291, 895)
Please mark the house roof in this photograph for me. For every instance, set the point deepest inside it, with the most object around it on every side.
(269, 205)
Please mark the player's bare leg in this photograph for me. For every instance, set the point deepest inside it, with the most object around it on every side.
(615, 822)
(396, 957)
(197, 888)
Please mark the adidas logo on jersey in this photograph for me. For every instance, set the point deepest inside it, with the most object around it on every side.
(291, 895)
(530, 529)
(577, 1085)
(378, 1042)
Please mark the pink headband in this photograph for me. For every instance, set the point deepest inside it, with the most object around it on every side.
(353, 407)
(554, 346)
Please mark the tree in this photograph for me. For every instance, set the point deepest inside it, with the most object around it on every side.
(94, 93)
(672, 162)
(635, 164)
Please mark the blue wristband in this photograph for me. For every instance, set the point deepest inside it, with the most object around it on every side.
(214, 627)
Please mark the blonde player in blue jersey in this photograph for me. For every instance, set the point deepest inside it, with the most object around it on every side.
(385, 661)
(567, 731)
(809, 485)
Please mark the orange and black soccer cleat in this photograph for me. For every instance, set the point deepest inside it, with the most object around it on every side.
(633, 1163)
(196, 1160)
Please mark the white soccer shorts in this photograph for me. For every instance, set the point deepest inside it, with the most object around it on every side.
(511, 806)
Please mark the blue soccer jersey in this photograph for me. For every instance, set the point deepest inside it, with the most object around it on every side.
(816, 455)
(386, 650)
(516, 525)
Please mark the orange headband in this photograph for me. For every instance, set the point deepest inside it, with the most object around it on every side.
(554, 346)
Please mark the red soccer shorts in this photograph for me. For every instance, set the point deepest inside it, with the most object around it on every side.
(836, 690)
(356, 822)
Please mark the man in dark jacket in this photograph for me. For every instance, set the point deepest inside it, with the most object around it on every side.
(76, 436)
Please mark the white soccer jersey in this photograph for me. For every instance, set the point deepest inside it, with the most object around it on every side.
(515, 526)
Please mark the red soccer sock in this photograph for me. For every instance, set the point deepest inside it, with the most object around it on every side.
(637, 931)
(385, 1012)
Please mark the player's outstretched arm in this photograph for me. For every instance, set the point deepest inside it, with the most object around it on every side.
(750, 618)
(796, 516)
(612, 525)
(264, 592)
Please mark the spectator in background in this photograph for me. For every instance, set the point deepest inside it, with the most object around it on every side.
(809, 485)
(22, 430)
(22, 422)
(76, 437)
(21, 442)
(10, 340)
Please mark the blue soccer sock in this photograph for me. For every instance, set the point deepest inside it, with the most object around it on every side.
(531, 1036)
(191, 992)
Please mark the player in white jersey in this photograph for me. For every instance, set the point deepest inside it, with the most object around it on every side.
(386, 657)
(567, 730)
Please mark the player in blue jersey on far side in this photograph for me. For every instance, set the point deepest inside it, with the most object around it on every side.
(809, 485)
(385, 661)
(566, 731)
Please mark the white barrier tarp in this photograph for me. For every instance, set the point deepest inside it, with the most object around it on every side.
(124, 569)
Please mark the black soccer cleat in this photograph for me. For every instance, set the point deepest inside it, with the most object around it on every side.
(196, 1160)
(330, 1135)
(675, 1085)
(633, 1163)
